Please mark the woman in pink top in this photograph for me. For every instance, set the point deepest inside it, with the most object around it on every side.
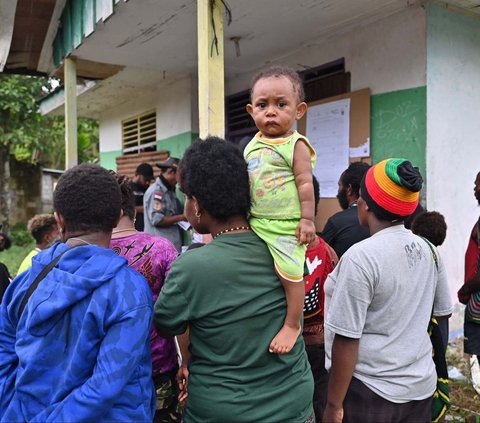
(151, 256)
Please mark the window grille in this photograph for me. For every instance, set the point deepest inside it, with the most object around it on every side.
(139, 133)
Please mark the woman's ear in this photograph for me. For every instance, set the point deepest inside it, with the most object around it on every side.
(196, 205)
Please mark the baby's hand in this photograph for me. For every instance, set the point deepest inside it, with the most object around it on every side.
(305, 231)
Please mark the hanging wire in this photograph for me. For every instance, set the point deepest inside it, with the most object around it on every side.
(228, 13)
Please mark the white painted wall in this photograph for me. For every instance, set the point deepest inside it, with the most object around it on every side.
(174, 114)
(384, 55)
(453, 129)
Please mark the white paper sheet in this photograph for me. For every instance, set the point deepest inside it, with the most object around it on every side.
(361, 151)
(184, 225)
(328, 130)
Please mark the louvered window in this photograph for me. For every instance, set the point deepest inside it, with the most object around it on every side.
(139, 133)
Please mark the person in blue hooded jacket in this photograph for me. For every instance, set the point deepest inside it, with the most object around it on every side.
(79, 350)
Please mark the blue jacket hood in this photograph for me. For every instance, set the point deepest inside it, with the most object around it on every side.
(79, 272)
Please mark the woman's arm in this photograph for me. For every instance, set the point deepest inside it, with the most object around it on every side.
(183, 373)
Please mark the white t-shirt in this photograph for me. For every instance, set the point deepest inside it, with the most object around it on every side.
(382, 292)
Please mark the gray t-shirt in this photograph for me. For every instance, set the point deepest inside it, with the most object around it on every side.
(382, 292)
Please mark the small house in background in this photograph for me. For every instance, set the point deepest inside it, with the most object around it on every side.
(136, 63)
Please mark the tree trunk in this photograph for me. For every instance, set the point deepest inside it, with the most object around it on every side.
(5, 199)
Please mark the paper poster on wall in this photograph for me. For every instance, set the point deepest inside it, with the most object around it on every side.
(328, 130)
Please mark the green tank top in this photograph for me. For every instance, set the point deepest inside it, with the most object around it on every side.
(272, 181)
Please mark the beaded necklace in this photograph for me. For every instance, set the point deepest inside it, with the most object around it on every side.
(238, 228)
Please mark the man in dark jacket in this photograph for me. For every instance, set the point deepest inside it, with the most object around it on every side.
(343, 230)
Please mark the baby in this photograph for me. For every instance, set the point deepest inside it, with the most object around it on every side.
(280, 163)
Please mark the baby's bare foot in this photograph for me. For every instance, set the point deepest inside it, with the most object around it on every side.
(284, 340)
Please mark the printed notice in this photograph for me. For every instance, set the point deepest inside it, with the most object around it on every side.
(328, 130)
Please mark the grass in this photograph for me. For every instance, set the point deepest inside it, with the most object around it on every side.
(13, 257)
(465, 403)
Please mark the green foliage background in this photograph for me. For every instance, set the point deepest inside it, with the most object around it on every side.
(30, 137)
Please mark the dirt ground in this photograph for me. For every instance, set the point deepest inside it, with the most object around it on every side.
(464, 399)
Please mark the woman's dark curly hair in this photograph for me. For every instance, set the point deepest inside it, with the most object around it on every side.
(88, 198)
(128, 197)
(215, 173)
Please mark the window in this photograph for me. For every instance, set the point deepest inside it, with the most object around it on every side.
(240, 127)
(325, 80)
(139, 133)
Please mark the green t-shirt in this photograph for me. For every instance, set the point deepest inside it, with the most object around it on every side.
(228, 292)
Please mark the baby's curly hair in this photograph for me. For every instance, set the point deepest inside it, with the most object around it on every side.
(128, 197)
(430, 225)
(41, 225)
(88, 198)
(277, 71)
(215, 172)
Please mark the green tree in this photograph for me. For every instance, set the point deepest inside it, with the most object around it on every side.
(27, 135)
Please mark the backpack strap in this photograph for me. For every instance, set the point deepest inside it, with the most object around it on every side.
(37, 281)
(432, 249)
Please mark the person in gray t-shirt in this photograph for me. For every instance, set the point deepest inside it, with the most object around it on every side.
(378, 303)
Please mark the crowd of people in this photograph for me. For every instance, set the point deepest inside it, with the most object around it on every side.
(269, 321)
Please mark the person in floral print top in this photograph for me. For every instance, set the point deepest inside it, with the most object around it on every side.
(151, 256)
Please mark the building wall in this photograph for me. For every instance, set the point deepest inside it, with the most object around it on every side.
(453, 128)
(386, 55)
(174, 120)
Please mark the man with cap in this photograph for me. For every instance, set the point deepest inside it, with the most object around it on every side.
(140, 184)
(378, 304)
(162, 208)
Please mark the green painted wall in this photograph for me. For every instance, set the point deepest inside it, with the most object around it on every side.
(177, 144)
(107, 159)
(398, 126)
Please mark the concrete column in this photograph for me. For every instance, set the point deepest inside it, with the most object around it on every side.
(70, 80)
(211, 92)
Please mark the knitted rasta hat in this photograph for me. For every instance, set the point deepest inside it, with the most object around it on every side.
(391, 189)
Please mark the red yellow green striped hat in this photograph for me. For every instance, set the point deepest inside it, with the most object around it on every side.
(391, 189)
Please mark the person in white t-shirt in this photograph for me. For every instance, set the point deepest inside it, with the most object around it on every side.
(378, 303)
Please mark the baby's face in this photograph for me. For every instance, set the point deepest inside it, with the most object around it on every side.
(274, 106)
